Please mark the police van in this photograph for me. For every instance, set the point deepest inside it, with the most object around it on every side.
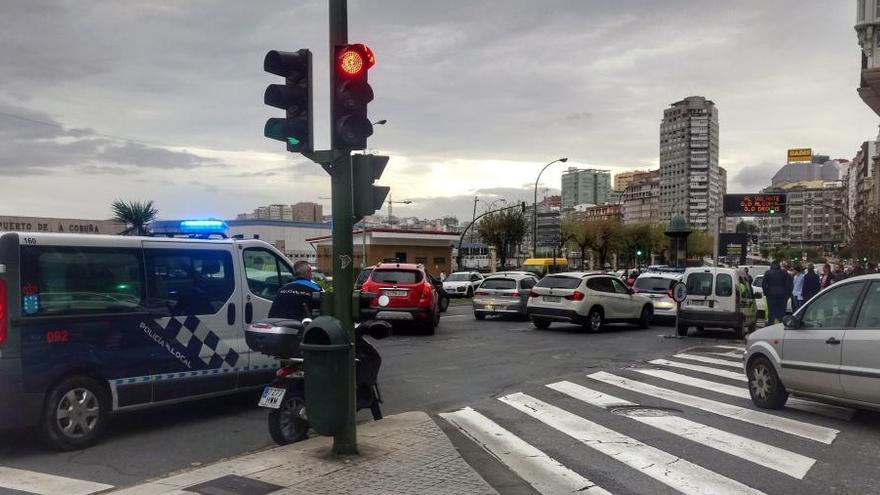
(93, 324)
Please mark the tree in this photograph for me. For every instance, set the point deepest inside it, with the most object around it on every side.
(700, 244)
(503, 229)
(134, 215)
(645, 237)
(866, 237)
(576, 234)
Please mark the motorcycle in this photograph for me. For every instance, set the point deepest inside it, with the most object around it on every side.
(285, 395)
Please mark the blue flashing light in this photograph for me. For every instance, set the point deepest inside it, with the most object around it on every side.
(205, 227)
(211, 225)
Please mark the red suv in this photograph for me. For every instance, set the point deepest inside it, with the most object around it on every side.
(411, 297)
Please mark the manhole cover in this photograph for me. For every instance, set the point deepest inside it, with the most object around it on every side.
(234, 485)
(646, 411)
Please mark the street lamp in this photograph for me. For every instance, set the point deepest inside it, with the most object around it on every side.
(380, 122)
(535, 206)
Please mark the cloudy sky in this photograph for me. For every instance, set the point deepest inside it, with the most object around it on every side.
(162, 99)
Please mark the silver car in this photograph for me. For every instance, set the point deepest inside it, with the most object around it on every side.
(828, 350)
(657, 286)
(503, 294)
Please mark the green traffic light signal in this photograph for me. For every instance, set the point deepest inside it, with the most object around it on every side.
(639, 252)
(772, 211)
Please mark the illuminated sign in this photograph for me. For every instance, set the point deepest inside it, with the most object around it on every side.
(754, 205)
(800, 155)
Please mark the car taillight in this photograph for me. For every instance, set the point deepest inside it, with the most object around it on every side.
(575, 296)
(669, 293)
(534, 294)
(4, 311)
(481, 293)
(511, 294)
(425, 296)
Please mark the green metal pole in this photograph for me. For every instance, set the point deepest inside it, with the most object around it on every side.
(345, 442)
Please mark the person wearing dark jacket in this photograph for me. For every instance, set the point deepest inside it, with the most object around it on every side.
(777, 286)
(295, 300)
(810, 284)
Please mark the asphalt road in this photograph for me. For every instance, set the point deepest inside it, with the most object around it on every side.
(468, 363)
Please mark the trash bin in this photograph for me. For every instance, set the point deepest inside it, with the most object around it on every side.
(325, 346)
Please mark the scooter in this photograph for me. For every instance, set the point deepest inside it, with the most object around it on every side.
(285, 395)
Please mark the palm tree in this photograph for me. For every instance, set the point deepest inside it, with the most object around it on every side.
(134, 215)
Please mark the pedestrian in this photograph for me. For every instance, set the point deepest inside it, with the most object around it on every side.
(777, 286)
(797, 291)
(810, 284)
(838, 274)
(749, 277)
(827, 277)
(296, 300)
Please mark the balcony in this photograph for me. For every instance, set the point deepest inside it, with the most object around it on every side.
(870, 88)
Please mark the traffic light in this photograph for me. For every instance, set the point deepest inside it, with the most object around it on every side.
(351, 94)
(639, 253)
(294, 96)
(772, 211)
(367, 198)
(522, 207)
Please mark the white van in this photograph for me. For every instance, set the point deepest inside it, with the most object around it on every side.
(126, 322)
(717, 298)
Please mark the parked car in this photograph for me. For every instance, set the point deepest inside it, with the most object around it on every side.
(462, 284)
(828, 350)
(503, 294)
(543, 266)
(591, 299)
(714, 299)
(364, 275)
(412, 297)
(657, 286)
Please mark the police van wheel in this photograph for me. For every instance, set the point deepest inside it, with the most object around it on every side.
(75, 414)
(288, 423)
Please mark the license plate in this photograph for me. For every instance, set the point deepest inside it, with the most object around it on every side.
(552, 298)
(395, 293)
(488, 307)
(272, 397)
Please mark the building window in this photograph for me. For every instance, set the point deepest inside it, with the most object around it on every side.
(861, 12)
(421, 260)
(440, 261)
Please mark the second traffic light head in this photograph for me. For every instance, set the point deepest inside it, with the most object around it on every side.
(351, 95)
(367, 198)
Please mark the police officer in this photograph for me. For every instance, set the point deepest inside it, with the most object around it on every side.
(294, 300)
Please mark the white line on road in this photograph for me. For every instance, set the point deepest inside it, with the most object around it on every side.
(731, 375)
(541, 471)
(710, 360)
(721, 388)
(46, 484)
(791, 426)
(666, 468)
(453, 316)
(784, 461)
(734, 355)
(741, 348)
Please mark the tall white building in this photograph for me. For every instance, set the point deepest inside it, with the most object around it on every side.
(868, 31)
(690, 179)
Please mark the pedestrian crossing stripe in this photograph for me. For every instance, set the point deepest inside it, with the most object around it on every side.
(784, 461)
(733, 355)
(675, 472)
(740, 348)
(730, 375)
(720, 388)
(46, 484)
(545, 474)
(710, 360)
(801, 429)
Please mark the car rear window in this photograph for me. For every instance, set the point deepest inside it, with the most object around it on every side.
(363, 276)
(654, 284)
(723, 285)
(699, 284)
(396, 276)
(552, 282)
(498, 283)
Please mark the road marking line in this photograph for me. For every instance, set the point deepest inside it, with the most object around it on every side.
(822, 409)
(786, 425)
(784, 461)
(710, 360)
(46, 484)
(731, 375)
(721, 388)
(544, 473)
(666, 468)
(733, 355)
(732, 347)
(453, 316)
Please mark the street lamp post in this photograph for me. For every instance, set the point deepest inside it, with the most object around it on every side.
(535, 207)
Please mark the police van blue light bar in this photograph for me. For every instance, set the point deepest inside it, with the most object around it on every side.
(205, 227)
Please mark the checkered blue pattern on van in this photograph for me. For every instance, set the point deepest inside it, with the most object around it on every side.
(195, 336)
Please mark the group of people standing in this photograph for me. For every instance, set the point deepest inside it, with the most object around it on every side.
(798, 284)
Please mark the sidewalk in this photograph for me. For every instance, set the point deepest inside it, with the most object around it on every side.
(401, 454)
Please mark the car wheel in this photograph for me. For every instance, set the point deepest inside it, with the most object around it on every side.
(433, 321)
(75, 414)
(682, 330)
(595, 320)
(765, 387)
(645, 319)
(444, 304)
(541, 323)
(480, 316)
(470, 293)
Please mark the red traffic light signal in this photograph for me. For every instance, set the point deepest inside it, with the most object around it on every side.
(354, 60)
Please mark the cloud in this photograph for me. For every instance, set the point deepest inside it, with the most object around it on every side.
(753, 178)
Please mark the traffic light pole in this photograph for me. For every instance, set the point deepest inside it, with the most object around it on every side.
(345, 442)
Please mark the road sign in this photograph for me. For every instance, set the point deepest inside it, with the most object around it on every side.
(755, 205)
(679, 292)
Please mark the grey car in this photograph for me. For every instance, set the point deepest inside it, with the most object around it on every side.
(828, 350)
(503, 294)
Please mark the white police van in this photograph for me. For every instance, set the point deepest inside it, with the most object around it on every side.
(92, 324)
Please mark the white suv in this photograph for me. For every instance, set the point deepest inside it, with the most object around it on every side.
(587, 298)
(462, 284)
